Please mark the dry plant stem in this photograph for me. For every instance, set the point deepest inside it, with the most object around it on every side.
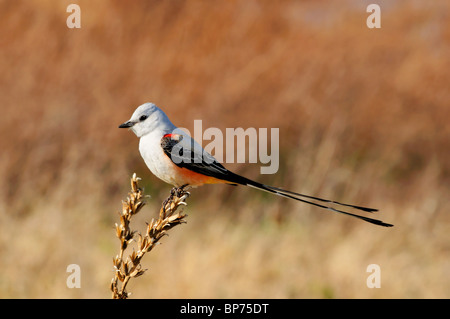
(156, 229)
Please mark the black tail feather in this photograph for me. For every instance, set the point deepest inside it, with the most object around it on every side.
(367, 219)
(366, 209)
(281, 192)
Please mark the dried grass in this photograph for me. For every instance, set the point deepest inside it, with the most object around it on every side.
(169, 217)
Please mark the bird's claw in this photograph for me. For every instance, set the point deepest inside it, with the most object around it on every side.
(180, 191)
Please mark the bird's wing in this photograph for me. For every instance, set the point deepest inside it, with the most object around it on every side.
(187, 153)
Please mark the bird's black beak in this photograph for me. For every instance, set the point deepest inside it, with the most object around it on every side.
(126, 124)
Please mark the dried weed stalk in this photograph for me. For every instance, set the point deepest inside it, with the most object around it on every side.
(128, 268)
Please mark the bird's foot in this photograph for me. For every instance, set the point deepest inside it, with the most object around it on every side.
(179, 191)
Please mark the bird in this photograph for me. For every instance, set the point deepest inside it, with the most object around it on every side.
(176, 158)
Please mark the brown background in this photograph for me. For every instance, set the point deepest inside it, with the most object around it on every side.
(363, 117)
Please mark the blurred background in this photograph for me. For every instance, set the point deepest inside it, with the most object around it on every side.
(363, 117)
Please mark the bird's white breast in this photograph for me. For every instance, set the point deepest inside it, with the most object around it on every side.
(157, 161)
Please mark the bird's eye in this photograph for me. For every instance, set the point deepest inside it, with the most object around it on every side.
(143, 118)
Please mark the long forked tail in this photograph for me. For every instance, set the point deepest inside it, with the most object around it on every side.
(299, 197)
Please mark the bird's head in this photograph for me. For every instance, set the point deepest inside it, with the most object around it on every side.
(147, 118)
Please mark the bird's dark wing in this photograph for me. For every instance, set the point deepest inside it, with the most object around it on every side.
(185, 152)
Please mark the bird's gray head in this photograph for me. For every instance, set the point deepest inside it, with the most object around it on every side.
(147, 118)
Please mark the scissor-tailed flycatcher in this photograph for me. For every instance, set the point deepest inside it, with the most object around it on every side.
(177, 159)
